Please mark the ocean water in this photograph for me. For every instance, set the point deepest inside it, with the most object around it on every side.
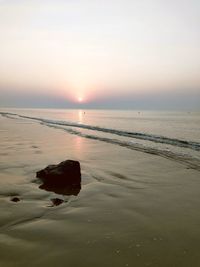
(174, 135)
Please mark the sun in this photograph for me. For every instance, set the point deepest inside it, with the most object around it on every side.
(80, 99)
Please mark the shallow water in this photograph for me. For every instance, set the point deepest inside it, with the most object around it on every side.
(180, 125)
(172, 135)
(134, 208)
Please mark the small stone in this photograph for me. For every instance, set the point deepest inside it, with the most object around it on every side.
(57, 201)
(15, 199)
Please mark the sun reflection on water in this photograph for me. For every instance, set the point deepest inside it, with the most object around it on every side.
(80, 116)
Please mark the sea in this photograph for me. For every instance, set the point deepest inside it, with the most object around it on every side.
(170, 134)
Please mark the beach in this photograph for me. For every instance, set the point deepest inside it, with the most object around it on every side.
(134, 208)
(99, 133)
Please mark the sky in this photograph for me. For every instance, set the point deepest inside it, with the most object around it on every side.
(100, 54)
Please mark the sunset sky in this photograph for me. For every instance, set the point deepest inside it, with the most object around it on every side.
(92, 53)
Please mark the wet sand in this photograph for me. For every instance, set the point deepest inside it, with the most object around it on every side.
(134, 209)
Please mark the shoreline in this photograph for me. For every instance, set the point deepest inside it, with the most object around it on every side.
(173, 149)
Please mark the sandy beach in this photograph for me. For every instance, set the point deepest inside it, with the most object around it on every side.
(134, 208)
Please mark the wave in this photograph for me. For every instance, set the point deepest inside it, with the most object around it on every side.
(187, 160)
(181, 158)
(136, 135)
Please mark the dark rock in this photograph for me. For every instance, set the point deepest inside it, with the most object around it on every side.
(66, 172)
(15, 199)
(64, 178)
(57, 201)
